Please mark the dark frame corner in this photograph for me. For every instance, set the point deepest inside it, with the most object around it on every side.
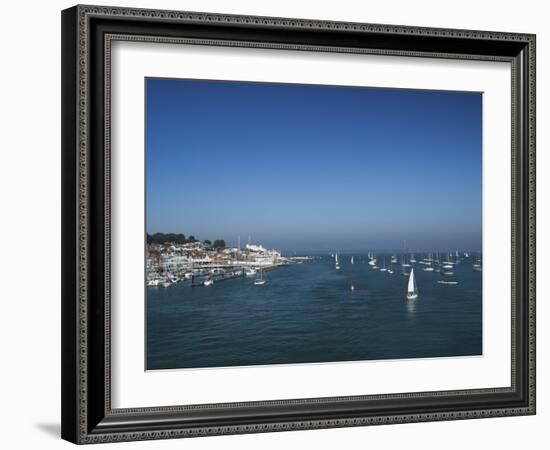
(87, 31)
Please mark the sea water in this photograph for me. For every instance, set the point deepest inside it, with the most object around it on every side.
(306, 313)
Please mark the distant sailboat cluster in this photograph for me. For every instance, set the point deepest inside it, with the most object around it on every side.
(439, 263)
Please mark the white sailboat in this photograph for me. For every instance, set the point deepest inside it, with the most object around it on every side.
(383, 269)
(449, 263)
(336, 262)
(429, 267)
(437, 263)
(260, 281)
(390, 270)
(412, 291)
(351, 260)
(404, 266)
(477, 266)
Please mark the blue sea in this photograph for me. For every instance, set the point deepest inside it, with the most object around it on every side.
(306, 313)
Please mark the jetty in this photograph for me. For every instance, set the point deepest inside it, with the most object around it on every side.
(224, 273)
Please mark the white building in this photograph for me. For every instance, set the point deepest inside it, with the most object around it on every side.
(255, 248)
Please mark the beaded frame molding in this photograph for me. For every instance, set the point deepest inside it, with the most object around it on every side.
(87, 35)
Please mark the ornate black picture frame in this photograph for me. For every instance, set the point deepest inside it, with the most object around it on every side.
(87, 34)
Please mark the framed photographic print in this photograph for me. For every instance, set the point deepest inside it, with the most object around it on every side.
(276, 224)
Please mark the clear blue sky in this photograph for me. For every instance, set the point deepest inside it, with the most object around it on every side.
(314, 167)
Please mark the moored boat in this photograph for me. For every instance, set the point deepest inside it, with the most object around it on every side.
(250, 272)
(260, 281)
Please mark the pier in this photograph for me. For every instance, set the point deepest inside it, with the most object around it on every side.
(222, 273)
(218, 276)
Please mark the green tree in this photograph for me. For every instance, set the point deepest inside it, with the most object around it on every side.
(207, 242)
(164, 238)
(219, 243)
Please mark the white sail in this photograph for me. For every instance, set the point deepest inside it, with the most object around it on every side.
(411, 288)
(352, 259)
(336, 259)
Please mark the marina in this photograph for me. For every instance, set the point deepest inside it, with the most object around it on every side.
(202, 264)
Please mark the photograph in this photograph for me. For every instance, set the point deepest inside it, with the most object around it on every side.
(298, 224)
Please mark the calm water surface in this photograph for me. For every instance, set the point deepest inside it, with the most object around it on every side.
(306, 313)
